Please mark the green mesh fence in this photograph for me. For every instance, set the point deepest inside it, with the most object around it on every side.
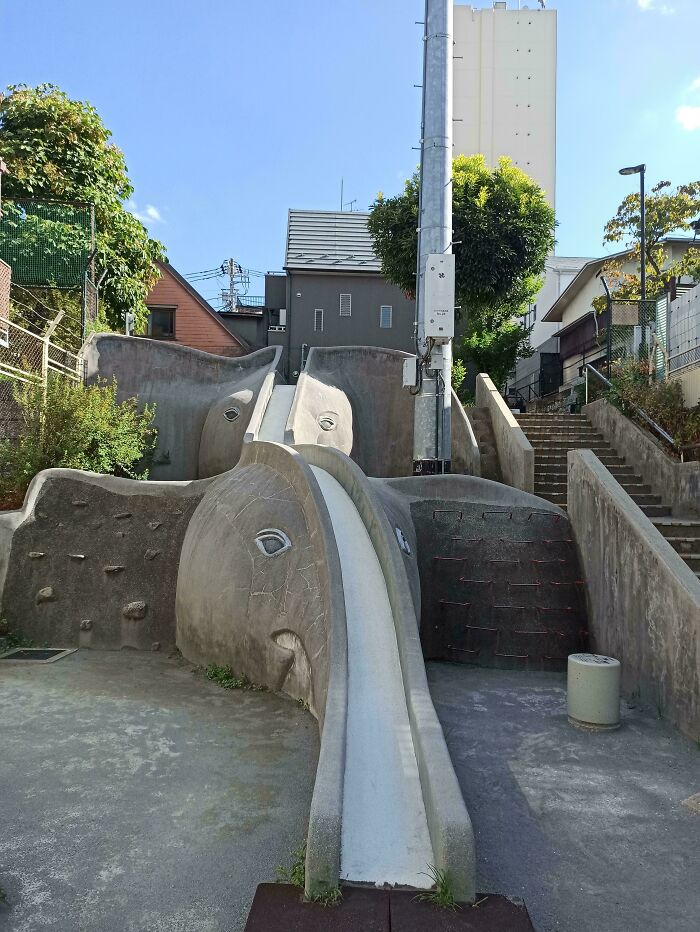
(47, 243)
(632, 330)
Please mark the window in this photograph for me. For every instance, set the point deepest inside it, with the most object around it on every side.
(161, 323)
(318, 320)
(385, 314)
(345, 305)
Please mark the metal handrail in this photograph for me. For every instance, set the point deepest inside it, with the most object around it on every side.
(644, 416)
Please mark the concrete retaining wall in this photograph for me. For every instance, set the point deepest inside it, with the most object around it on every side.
(677, 483)
(515, 454)
(448, 820)
(191, 390)
(92, 561)
(643, 600)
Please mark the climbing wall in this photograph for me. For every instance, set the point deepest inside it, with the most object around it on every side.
(500, 585)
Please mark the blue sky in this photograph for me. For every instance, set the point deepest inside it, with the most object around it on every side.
(229, 112)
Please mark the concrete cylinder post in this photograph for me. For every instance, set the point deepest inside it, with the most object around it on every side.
(593, 691)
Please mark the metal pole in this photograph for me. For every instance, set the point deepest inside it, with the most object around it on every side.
(608, 334)
(643, 244)
(432, 428)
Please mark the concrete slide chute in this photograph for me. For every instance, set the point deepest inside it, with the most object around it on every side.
(385, 837)
(276, 414)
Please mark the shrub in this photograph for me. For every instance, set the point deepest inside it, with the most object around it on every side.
(662, 401)
(75, 427)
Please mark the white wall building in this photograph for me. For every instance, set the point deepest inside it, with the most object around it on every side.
(559, 272)
(505, 87)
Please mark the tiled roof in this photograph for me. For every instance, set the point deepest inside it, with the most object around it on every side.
(330, 240)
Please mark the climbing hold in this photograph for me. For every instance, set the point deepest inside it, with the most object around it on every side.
(79, 503)
(86, 625)
(113, 570)
(154, 525)
(77, 556)
(122, 515)
(151, 554)
(45, 595)
(36, 555)
(135, 611)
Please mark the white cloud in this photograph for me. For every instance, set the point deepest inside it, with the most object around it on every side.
(662, 8)
(148, 215)
(695, 86)
(688, 117)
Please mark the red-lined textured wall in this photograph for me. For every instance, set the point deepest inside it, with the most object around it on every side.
(194, 326)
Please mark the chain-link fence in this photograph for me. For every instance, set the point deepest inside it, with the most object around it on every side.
(631, 333)
(25, 358)
(47, 242)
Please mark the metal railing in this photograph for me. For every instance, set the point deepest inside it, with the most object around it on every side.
(638, 411)
(28, 358)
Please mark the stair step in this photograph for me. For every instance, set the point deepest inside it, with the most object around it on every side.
(679, 529)
(655, 511)
(645, 499)
(693, 561)
(684, 545)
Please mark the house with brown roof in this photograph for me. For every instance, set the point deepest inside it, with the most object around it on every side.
(178, 313)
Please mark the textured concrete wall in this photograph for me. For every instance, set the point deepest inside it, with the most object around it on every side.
(92, 561)
(449, 824)
(516, 456)
(279, 620)
(677, 483)
(499, 575)
(191, 390)
(360, 387)
(643, 600)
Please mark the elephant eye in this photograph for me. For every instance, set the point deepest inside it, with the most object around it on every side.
(272, 542)
(231, 414)
(326, 422)
(403, 541)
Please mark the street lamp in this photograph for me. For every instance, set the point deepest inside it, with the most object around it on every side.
(639, 170)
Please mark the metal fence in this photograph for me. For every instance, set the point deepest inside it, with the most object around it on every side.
(632, 330)
(51, 247)
(684, 331)
(27, 357)
(47, 242)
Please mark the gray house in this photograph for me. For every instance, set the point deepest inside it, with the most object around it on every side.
(331, 293)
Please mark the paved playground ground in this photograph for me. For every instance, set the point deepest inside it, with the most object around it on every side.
(139, 797)
(589, 829)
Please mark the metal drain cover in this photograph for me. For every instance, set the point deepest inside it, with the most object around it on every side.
(38, 654)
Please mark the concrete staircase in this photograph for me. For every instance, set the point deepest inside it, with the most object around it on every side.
(553, 435)
(683, 534)
(480, 419)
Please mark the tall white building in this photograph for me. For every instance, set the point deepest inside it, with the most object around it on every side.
(505, 86)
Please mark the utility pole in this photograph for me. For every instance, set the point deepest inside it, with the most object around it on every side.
(435, 277)
(238, 278)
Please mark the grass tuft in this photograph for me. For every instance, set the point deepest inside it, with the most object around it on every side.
(331, 897)
(296, 875)
(227, 679)
(296, 872)
(442, 895)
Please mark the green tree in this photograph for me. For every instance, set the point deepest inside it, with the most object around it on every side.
(75, 426)
(667, 211)
(503, 232)
(58, 148)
